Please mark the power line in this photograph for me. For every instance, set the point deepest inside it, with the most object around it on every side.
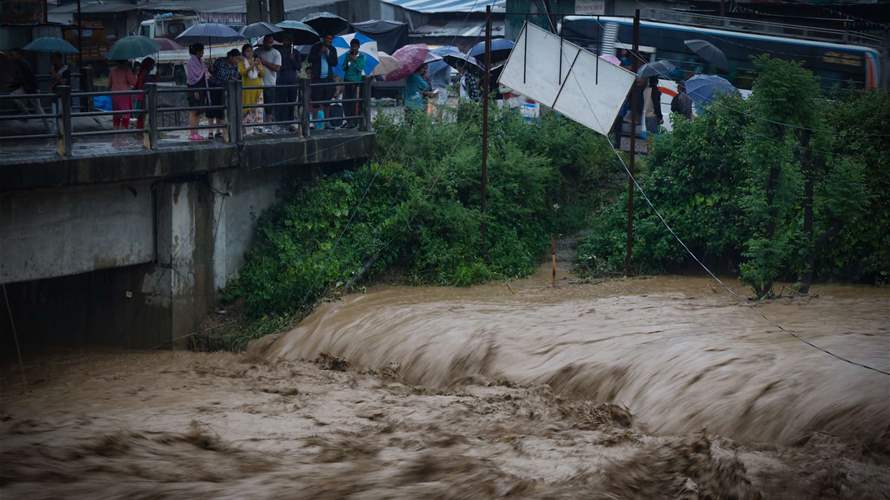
(700, 263)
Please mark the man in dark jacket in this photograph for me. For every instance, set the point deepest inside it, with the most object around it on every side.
(287, 75)
(322, 61)
(682, 103)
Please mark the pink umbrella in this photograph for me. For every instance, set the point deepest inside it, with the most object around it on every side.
(410, 57)
(612, 59)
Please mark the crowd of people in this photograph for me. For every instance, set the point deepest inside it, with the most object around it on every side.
(279, 70)
(271, 75)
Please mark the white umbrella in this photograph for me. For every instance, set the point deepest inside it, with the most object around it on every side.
(387, 64)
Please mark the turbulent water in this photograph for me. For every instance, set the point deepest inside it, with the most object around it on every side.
(516, 390)
(681, 355)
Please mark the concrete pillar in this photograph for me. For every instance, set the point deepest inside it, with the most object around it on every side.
(181, 285)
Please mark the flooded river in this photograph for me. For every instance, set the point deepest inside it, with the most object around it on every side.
(678, 353)
(643, 388)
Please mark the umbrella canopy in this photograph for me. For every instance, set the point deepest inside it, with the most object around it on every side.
(611, 59)
(658, 68)
(326, 23)
(410, 58)
(431, 58)
(463, 61)
(209, 33)
(439, 72)
(167, 44)
(297, 32)
(704, 88)
(132, 47)
(367, 47)
(387, 64)
(50, 44)
(500, 50)
(709, 52)
(390, 35)
(260, 29)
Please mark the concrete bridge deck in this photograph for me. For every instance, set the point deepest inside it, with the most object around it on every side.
(142, 238)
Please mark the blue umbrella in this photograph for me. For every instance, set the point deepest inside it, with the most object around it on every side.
(704, 88)
(661, 69)
(210, 33)
(439, 72)
(132, 47)
(500, 50)
(259, 29)
(49, 44)
(367, 46)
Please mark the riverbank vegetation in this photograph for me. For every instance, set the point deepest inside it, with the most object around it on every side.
(415, 210)
(791, 184)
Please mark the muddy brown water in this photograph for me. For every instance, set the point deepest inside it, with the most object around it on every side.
(640, 388)
(681, 354)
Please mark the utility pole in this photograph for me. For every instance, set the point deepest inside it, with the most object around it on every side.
(634, 110)
(485, 89)
(79, 40)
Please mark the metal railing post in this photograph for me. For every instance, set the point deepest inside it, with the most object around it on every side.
(150, 134)
(65, 129)
(233, 111)
(366, 104)
(305, 108)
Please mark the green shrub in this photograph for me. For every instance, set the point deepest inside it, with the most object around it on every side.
(417, 207)
(736, 184)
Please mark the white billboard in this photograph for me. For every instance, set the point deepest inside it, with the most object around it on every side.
(583, 87)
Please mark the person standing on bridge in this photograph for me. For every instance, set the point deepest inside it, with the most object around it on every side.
(682, 103)
(322, 61)
(287, 81)
(252, 71)
(224, 70)
(143, 77)
(353, 71)
(196, 77)
(652, 106)
(120, 79)
(271, 60)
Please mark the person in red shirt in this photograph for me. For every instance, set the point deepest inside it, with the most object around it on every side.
(121, 78)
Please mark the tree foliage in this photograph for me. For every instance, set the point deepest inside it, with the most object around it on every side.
(786, 185)
(417, 208)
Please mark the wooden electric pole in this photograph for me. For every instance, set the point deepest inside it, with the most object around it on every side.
(634, 111)
(486, 85)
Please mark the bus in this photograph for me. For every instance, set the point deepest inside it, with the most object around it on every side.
(837, 65)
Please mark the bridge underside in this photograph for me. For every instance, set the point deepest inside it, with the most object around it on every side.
(130, 250)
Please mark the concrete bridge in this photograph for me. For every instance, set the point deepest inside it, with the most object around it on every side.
(129, 247)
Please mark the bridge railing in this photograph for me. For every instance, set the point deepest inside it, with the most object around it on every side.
(302, 117)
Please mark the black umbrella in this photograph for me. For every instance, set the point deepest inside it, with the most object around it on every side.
(500, 50)
(708, 52)
(460, 61)
(296, 32)
(256, 30)
(661, 68)
(326, 23)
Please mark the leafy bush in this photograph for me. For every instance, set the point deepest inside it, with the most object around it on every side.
(417, 207)
(784, 185)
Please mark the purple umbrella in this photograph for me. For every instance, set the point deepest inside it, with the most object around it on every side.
(410, 57)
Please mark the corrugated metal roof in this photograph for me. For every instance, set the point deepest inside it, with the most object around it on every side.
(443, 6)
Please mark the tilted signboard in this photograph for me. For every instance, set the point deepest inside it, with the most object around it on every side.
(567, 78)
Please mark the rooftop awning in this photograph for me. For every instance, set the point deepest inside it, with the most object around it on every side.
(443, 6)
